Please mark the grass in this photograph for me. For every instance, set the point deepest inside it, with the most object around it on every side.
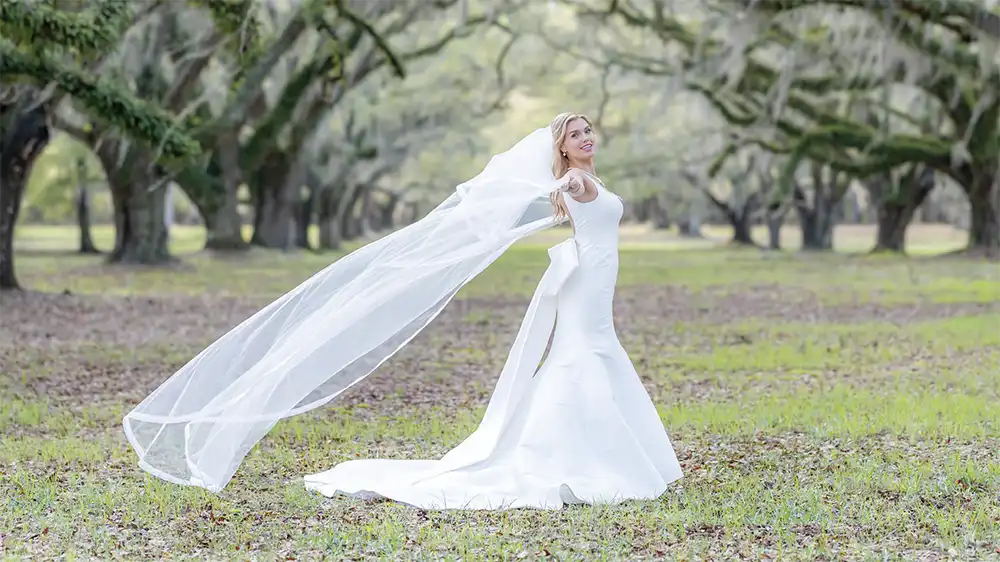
(823, 407)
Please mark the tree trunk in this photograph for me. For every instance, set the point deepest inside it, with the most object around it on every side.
(139, 198)
(738, 217)
(326, 217)
(740, 222)
(774, 223)
(365, 224)
(984, 214)
(350, 226)
(83, 208)
(224, 226)
(277, 186)
(641, 210)
(347, 215)
(816, 221)
(690, 227)
(897, 207)
(658, 214)
(83, 219)
(893, 220)
(411, 213)
(22, 139)
(817, 218)
(215, 192)
(12, 183)
(141, 235)
(274, 228)
(223, 223)
(303, 220)
(817, 227)
(329, 232)
(387, 212)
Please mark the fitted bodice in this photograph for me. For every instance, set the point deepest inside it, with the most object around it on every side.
(585, 302)
(595, 223)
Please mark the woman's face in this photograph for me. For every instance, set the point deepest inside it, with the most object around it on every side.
(580, 142)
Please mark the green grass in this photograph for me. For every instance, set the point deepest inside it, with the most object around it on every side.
(823, 407)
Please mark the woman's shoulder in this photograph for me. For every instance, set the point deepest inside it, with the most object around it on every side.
(596, 179)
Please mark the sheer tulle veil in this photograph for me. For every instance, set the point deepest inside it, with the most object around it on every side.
(325, 335)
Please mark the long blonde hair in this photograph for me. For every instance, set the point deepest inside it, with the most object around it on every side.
(560, 162)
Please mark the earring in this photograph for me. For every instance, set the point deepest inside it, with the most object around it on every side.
(564, 155)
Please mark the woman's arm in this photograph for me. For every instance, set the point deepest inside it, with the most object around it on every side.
(579, 185)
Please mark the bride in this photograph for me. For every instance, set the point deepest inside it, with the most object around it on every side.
(580, 428)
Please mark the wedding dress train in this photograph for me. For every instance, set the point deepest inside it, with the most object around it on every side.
(579, 429)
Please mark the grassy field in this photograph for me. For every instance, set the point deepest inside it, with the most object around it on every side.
(823, 407)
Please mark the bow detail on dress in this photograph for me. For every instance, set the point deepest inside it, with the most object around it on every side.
(525, 355)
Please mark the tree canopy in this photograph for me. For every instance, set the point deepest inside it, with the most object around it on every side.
(354, 117)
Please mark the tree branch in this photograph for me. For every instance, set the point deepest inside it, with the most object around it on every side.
(109, 102)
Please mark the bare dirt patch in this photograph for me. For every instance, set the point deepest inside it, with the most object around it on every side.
(97, 348)
(42, 319)
(791, 304)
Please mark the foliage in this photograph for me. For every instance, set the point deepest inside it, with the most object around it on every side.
(792, 78)
(670, 90)
(44, 44)
(50, 193)
(89, 33)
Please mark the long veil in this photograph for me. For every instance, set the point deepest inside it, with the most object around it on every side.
(325, 335)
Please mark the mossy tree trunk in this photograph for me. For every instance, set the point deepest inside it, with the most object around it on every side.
(24, 135)
(984, 199)
(326, 218)
(897, 202)
(274, 191)
(775, 221)
(738, 215)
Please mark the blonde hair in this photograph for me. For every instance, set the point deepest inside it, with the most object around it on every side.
(560, 162)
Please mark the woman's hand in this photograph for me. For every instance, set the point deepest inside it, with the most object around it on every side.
(573, 182)
(574, 186)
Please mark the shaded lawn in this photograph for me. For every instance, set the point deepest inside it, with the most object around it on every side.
(822, 406)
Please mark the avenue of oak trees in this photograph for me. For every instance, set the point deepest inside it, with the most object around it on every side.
(47, 44)
(822, 114)
(299, 115)
(233, 93)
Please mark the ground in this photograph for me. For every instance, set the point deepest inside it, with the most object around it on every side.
(823, 407)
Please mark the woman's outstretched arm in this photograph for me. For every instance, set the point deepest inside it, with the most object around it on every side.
(579, 185)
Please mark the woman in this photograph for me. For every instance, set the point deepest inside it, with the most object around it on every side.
(578, 429)
(585, 431)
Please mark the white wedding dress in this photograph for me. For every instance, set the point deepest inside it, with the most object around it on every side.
(579, 429)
